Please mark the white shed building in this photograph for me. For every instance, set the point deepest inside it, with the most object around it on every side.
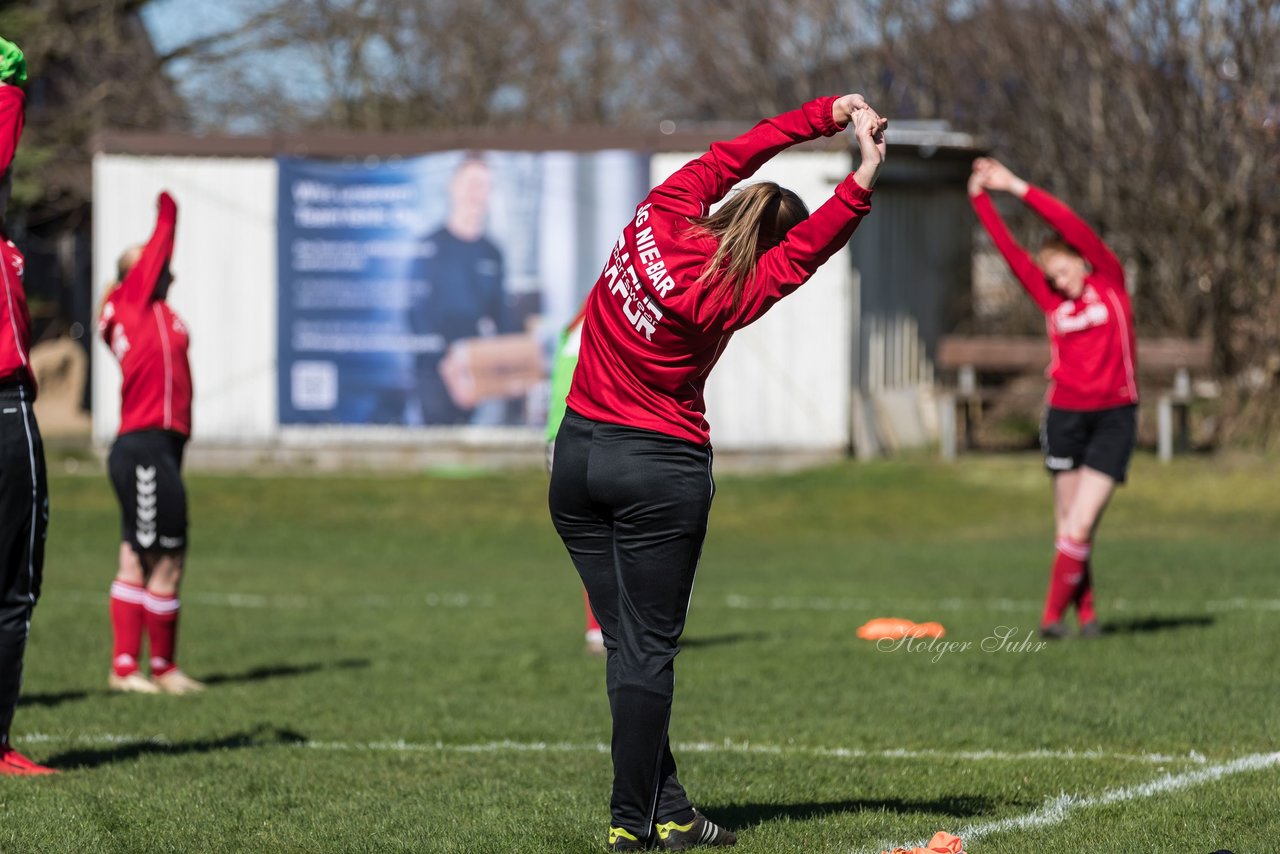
(802, 379)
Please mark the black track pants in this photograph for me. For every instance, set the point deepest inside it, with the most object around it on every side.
(631, 506)
(24, 518)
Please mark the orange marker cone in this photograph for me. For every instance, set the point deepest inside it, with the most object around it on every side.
(941, 843)
(896, 627)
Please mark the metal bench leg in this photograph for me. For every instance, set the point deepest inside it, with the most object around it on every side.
(1164, 426)
(947, 425)
(972, 420)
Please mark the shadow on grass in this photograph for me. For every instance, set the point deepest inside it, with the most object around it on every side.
(721, 640)
(53, 698)
(277, 671)
(257, 674)
(94, 757)
(1144, 625)
(748, 815)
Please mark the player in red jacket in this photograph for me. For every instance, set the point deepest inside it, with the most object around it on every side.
(24, 493)
(631, 487)
(145, 464)
(1090, 423)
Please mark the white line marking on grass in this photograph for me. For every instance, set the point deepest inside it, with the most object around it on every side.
(928, 753)
(823, 603)
(726, 746)
(504, 746)
(96, 739)
(996, 755)
(767, 749)
(1058, 810)
(295, 601)
(433, 599)
(1242, 604)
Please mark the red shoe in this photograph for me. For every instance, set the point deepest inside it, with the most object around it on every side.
(14, 763)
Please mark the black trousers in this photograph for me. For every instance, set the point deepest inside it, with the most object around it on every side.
(24, 519)
(631, 506)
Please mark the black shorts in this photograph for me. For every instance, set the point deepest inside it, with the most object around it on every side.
(1101, 439)
(146, 471)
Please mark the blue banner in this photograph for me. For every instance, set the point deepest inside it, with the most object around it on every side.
(427, 291)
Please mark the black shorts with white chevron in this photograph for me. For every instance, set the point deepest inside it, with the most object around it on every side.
(146, 470)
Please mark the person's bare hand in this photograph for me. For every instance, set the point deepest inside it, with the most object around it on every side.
(868, 129)
(996, 176)
(844, 107)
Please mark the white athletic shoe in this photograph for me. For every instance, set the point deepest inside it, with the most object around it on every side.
(177, 682)
(134, 683)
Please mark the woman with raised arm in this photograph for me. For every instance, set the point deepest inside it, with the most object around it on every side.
(150, 342)
(1090, 422)
(24, 492)
(632, 484)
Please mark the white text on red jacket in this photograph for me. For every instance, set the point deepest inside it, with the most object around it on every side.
(642, 312)
(1066, 318)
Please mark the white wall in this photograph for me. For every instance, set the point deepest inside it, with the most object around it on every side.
(784, 381)
(224, 265)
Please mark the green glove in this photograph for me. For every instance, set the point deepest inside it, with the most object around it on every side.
(13, 65)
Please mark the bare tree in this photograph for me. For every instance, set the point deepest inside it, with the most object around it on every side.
(395, 64)
(91, 66)
(1158, 119)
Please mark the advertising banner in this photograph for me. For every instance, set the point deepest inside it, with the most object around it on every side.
(428, 291)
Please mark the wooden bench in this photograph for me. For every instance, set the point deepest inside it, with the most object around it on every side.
(1170, 362)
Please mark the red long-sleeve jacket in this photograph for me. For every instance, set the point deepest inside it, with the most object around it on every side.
(149, 340)
(1093, 359)
(652, 333)
(15, 319)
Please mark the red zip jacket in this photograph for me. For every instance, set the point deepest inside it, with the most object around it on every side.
(652, 333)
(1093, 362)
(149, 340)
(15, 319)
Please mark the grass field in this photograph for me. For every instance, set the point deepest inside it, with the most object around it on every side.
(396, 665)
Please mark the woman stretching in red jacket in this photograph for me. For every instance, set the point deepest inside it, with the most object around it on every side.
(150, 342)
(1090, 423)
(631, 487)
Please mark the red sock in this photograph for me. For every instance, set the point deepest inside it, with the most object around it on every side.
(162, 630)
(1068, 573)
(126, 626)
(593, 625)
(1084, 596)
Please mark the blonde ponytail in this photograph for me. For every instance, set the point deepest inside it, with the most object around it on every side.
(754, 220)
